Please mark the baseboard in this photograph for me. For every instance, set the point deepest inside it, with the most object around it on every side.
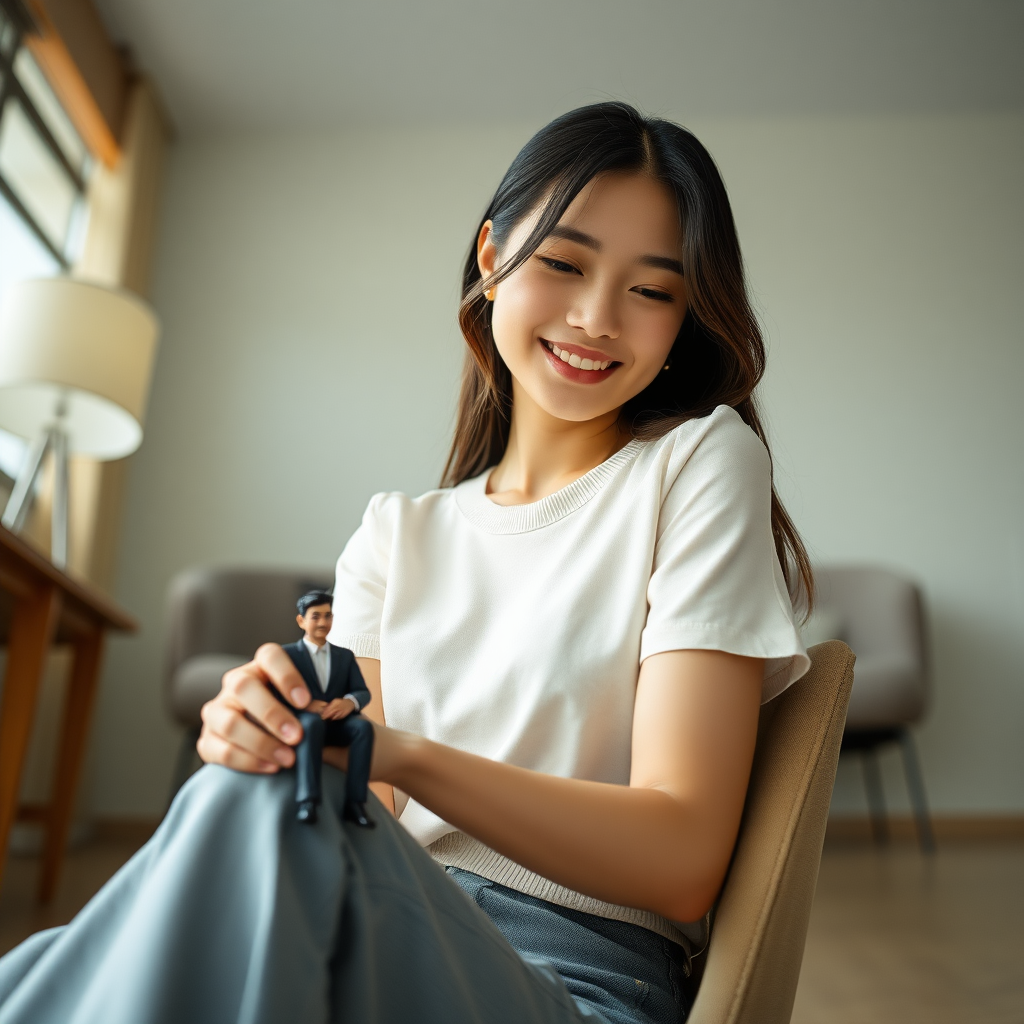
(946, 827)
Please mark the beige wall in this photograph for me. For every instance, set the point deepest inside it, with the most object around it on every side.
(307, 286)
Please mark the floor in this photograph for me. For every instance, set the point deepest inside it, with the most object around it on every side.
(895, 938)
(85, 870)
(898, 937)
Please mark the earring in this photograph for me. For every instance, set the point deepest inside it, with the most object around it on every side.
(489, 294)
(667, 366)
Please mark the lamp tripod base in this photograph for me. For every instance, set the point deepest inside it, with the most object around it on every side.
(19, 505)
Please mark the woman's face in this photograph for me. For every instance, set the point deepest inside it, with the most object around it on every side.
(588, 321)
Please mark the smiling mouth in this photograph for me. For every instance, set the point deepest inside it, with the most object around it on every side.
(576, 361)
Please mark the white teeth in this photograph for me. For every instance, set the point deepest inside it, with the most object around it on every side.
(575, 360)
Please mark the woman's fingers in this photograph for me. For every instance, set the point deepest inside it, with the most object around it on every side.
(214, 750)
(229, 724)
(281, 671)
(245, 726)
(247, 688)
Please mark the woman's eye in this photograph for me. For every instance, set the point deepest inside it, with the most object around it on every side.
(653, 293)
(559, 265)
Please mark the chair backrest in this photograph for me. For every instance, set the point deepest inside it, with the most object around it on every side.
(883, 620)
(757, 942)
(882, 612)
(233, 611)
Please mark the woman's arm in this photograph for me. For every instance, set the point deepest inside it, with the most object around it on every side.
(663, 843)
(370, 668)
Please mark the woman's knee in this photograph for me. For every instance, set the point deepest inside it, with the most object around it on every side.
(223, 792)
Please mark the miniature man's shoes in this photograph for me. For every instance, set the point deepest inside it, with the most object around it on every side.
(356, 812)
(306, 812)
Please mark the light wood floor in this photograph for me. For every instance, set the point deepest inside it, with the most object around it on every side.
(895, 938)
(85, 870)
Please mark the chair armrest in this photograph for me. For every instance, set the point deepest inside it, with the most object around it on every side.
(197, 680)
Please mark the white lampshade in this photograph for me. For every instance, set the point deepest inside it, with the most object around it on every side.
(82, 343)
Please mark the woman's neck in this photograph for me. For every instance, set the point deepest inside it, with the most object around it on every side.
(545, 454)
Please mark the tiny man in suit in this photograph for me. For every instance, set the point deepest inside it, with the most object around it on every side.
(331, 719)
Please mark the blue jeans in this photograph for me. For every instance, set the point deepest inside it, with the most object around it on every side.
(629, 974)
(235, 913)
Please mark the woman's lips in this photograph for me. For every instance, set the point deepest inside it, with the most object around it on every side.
(578, 373)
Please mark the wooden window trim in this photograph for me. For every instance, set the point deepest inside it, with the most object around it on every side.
(85, 70)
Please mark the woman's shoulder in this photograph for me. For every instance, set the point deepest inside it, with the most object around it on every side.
(389, 517)
(387, 509)
(720, 442)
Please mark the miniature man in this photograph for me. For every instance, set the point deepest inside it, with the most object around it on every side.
(332, 717)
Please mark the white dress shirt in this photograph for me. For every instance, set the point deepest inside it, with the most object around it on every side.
(321, 661)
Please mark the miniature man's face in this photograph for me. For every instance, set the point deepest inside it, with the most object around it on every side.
(316, 623)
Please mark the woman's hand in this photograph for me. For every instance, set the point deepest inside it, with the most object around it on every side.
(245, 726)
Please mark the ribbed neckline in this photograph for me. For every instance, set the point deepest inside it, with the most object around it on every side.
(471, 496)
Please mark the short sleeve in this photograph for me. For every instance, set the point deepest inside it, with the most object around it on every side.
(717, 583)
(359, 587)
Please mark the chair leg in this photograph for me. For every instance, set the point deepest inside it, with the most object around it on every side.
(876, 795)
(184, 766)
(915, 787)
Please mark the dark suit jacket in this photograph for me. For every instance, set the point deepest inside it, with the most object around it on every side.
(345, 676)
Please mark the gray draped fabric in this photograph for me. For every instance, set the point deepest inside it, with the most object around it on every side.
(235, 912)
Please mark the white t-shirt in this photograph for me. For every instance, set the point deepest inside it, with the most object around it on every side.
(517, 632)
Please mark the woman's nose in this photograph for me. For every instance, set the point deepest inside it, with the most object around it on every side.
(595, 312)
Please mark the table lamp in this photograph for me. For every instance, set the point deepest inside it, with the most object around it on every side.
(75, 365)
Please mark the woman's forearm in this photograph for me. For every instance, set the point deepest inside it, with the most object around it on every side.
(640, 847)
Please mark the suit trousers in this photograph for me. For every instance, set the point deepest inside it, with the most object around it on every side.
(236, 912)
(352, 731)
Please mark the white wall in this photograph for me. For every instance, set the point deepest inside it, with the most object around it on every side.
(307, 287)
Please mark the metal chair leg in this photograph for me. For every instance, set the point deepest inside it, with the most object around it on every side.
(915, 787)
(184, 765)
(876, 795)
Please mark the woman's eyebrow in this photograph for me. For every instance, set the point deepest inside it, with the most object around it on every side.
(662, 263)
(572, 235)
(582, 238)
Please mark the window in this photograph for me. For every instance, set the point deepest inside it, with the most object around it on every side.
(44, 164)
(44, 168)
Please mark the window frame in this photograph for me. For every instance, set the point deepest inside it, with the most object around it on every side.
(21, 24)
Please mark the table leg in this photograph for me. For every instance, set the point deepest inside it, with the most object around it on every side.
(74, 733)
(32, 628)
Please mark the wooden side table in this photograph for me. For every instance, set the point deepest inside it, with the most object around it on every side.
(41, 606)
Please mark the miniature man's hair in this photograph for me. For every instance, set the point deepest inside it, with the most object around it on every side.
(311, 600)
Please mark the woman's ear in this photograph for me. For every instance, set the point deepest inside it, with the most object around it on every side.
(486, 252)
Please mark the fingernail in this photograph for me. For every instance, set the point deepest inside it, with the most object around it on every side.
(283, 756)
(290, 732)
(299, 697)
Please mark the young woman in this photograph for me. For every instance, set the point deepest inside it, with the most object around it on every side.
(567, 646)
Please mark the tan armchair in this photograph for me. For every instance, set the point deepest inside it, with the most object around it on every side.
(752, 965)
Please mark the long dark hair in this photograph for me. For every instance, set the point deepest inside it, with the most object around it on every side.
(718, 356)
